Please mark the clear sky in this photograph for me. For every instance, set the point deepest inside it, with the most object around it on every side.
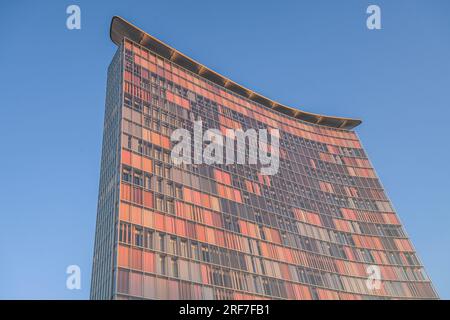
(316, 55)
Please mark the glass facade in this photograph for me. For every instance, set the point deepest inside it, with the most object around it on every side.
(225, 231)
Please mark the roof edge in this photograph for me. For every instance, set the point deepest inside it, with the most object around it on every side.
(120, 28)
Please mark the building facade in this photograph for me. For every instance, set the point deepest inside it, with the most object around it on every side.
(321, 228)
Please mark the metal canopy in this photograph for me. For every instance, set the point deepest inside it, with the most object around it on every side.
(121, 29)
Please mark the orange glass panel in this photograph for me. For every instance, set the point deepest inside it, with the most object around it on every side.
(126, 157)
(124, 211)
(148, 199)
(148, 261)
(123, 256)
(159, 221)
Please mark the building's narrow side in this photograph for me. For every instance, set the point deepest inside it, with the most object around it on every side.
(103, 274)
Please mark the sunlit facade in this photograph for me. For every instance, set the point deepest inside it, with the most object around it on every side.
(226, 231)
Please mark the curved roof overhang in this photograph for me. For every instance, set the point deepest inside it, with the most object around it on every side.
(121, 29)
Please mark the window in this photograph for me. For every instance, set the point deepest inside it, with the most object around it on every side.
(138, 237)
(159, 185)
(166, 172)
(162, 264)
(194, 251)
(170, 207)
(162, 242)
(170, 189)
(158, 169)
(178, 192)
(147, 181)
(174, 267)
(148, 239)
(172, 245)
(121, 232)
(126, 174)
(205, 253)
(137, 178)
(183, 248)
(160, 203)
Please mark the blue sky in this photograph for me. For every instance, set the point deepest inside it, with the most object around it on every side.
(316, 55)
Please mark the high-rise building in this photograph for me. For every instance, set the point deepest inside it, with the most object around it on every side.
(322, 227)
